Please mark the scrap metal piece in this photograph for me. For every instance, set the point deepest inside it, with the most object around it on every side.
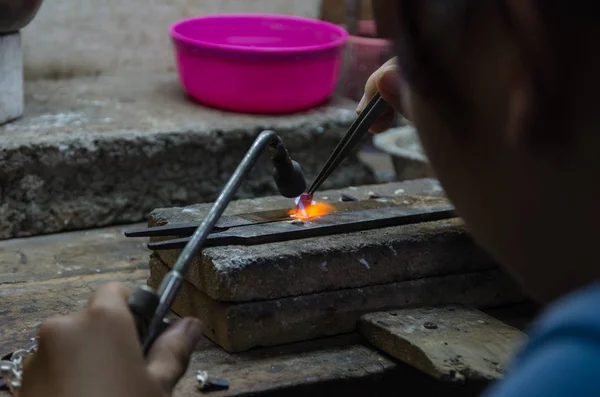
(11, 367)
(7, 371)
(377, 195)
(346, 197)
(18, 356)
(335, 223)
(207, 383)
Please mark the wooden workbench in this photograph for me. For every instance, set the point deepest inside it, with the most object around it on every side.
(44, 276)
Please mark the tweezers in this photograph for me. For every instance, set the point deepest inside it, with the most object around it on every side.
(374, 109)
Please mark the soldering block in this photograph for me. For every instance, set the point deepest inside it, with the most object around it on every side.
(353, 260)
(239, 326)
(294, 290)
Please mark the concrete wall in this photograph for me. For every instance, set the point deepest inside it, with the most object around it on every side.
(71, 38)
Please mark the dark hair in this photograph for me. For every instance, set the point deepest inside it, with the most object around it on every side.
(420, 66)
(424, 70)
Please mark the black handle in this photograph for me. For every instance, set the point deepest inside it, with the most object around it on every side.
(143, 303)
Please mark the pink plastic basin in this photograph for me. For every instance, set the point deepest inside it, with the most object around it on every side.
(258, 63)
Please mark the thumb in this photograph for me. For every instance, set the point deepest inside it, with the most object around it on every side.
(387, 81)
(169, 356)
(389, 85)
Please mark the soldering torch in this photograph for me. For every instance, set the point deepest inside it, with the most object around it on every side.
(151, 307)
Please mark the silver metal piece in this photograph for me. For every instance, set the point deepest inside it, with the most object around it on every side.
(202, 378)
(18, 356)
(11, 371)
(6, 368)
(207, 383)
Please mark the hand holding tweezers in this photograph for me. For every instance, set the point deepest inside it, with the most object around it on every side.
(375, 108)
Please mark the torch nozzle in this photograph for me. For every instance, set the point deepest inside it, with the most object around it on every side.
(287, 174)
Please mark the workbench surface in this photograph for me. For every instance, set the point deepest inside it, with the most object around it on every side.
(49, 275)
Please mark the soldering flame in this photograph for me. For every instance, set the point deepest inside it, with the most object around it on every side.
(310, 211)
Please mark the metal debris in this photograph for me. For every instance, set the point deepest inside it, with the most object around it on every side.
(430, 325)
(346, 197)
(298, 222)
(11, 368)
(207, 383)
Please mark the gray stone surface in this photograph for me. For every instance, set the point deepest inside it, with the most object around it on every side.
(244, 325)
(406, 152)
(92, 152)
(351, 260)
(11, 77)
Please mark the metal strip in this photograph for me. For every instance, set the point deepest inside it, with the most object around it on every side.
(231, 221)
(337, 223)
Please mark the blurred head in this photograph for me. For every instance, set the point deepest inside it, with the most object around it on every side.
(505, 96)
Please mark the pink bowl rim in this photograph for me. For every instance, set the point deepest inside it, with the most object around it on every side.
(262, 50)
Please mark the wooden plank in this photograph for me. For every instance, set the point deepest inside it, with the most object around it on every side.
(25, 305)
(37, 290)
(70, 254)
(451, 343)
(343, 363)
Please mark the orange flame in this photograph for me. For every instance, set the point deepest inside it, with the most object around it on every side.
(310, 211)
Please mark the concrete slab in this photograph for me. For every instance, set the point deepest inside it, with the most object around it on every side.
(350, 260)
(11, 77)
(241, 326)
(74, 38)
(452, 343)
(106, 150)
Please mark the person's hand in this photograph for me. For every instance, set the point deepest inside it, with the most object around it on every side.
(97, 353)
(386, 80)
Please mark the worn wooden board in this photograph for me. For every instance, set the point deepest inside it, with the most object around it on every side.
(55, 274)
(33, 287)
(70, 254)
(452, 343)
(28, 304)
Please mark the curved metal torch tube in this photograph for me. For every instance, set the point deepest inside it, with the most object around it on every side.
(174, 279)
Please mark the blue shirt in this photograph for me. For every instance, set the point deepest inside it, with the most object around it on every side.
(562, 357)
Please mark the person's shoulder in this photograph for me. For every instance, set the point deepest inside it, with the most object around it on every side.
(561, 357)
(576, 313)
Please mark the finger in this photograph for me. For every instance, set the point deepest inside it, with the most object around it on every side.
(388, 84)
(169, 357)
(54, 335)
(112, 295)
(108, 308)
(371, 87)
